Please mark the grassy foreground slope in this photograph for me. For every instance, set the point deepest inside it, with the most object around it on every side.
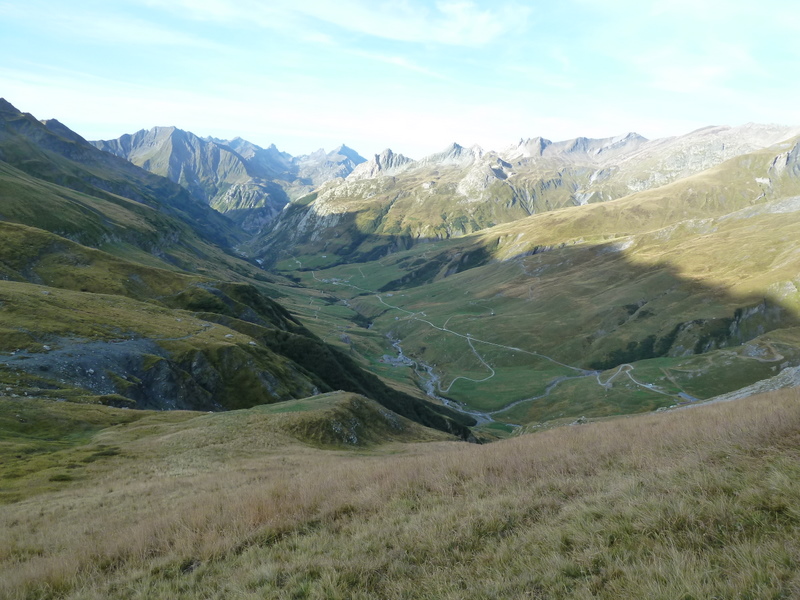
(698, 503)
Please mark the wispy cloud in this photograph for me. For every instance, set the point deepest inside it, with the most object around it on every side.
(449, 22)
(452, 22)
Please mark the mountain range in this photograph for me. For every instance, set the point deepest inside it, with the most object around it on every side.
(562, 267)
(308, 341)
(463, 190)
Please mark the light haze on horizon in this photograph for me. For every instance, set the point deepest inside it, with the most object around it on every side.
(411, 75)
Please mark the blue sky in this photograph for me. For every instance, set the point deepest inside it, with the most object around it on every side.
(411, 75)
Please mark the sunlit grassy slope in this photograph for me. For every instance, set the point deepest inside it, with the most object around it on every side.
(115, 224)
(276, 502)
(694, 284)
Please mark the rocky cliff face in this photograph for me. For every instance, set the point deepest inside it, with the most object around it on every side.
(787, 163)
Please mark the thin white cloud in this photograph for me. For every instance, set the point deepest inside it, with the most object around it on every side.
(450, 22)
(453, 22)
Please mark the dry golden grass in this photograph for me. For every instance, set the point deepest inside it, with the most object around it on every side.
(697, 503)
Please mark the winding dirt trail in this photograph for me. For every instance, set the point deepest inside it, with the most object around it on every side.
(432, 384)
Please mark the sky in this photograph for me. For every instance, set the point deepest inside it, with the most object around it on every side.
(410, 75)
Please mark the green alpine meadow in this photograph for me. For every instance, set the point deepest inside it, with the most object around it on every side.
(560, 369)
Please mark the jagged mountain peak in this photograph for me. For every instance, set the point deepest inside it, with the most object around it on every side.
(164, 130)
(528, 148)
(220, 141)
(454, 155)
(578, 148)
(62, 130)
(389, 157)
(385, 163)
(344, 150)
(594, 146)
(630, 141)
(348, 154)
(320, 166)
(7, 107)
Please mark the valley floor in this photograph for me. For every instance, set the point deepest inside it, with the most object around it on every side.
(684, 504)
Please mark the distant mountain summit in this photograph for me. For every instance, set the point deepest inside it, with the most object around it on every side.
(248, 183)
(386, 163)
(454, 155)
(320, 166)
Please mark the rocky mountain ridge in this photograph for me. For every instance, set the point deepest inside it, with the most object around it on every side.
(252, 185)
(464, 190)
(236, 177)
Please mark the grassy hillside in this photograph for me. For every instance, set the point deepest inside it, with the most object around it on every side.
(686, 291)
(81, 324)
(101, 502)
(106, 200)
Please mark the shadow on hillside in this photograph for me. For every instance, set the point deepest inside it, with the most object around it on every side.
(597, 306)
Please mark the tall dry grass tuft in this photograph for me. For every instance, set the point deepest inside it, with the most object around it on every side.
(666, 505)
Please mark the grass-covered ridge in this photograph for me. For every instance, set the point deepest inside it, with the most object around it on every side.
(695, 503)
